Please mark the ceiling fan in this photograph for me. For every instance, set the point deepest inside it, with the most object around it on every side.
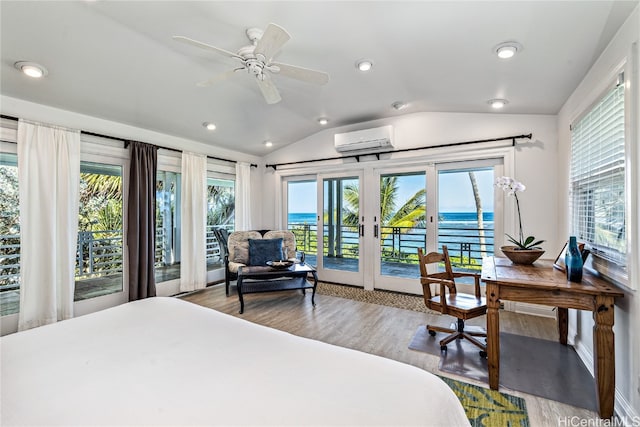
(256, 59)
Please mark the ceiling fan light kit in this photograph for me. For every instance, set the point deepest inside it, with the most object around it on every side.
(256, 59)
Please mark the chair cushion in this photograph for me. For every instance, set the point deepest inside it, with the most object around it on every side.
(288, 242)
(263, 250)
(234, 266)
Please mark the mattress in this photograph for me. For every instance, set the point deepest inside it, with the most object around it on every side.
(164, 361)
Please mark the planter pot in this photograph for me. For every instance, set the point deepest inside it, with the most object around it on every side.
(521, 256)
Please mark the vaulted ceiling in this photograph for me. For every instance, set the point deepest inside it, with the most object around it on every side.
(117, 60)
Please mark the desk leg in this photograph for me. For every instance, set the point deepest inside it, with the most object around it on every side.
(563, 324)
(493, 335)
(604, 357)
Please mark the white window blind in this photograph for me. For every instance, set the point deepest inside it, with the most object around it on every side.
(598, 178)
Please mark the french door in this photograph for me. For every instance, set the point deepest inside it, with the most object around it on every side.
(341, 228)
(450, 204)
(367, 225)
(399, 228)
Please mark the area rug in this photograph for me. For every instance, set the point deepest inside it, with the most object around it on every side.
(540, 367)
(380, 297)
(486, 407)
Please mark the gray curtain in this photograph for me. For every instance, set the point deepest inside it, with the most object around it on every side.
(141, 220)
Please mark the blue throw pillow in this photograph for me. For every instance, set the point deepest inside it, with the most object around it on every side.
(263, 250)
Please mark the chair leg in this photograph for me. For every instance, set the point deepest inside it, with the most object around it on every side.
(452, 337)
(475, 342)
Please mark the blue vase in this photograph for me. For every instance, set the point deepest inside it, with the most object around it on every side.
(573, 261)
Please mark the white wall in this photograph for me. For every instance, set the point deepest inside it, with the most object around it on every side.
(627, 315)
(535, 160)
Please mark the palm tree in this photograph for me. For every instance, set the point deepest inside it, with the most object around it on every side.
(221, 201)
(410, 215)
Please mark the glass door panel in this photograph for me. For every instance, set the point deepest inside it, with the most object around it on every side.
(340, 227)
(465, 215)
(302, 216)
(220, 214)
(402, 223)
(341, 231)
(168, 200)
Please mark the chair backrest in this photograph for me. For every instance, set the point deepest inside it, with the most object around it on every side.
(429, 273)
(222, 236)
(238, 245)
(288, 241)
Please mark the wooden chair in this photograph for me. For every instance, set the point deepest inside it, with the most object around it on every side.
(448, 300)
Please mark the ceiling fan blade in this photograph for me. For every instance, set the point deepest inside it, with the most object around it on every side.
(272, 40)
(217, 78)
(269, 91)
(201, 45)
(300, 73)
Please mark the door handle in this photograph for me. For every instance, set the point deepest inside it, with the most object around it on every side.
(375, 230)
(362, 230)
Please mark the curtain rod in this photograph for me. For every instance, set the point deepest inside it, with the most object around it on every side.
(126, 143)
(357, 156)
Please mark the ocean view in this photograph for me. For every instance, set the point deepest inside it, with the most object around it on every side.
(459, 218)
(457, 230)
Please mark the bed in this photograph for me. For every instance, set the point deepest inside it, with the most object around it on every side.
(164, 361)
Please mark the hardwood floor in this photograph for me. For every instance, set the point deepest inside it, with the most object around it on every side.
(380, 330)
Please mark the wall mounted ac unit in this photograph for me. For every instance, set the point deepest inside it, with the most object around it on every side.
(367, 140)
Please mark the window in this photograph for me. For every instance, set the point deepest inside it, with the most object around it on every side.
(220, 214)
(100, 223)
(9, 235)
(597, 179)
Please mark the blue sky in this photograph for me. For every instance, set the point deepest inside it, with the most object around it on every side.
(454, 190)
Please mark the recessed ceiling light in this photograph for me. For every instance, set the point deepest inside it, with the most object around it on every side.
(209, 126)
(507, 50)
(31, 69)
(497, 103)
(399, 105)
(323, 121)
(364, 65)
(268, 144)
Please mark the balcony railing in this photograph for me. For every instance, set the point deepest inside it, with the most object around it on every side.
(98, 254)
(400, 244)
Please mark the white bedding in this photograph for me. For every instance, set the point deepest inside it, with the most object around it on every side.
(164, 361)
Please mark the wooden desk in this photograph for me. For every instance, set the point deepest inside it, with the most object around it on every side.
(540, 283)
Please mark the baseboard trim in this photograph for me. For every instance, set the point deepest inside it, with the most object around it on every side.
(621, 408)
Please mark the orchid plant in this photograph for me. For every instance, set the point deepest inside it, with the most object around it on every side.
(512, 188)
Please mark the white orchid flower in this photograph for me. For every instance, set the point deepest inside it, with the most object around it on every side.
(512, 188)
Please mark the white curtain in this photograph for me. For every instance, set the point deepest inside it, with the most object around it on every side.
(49, 180)
(243, 196)
(193, 210)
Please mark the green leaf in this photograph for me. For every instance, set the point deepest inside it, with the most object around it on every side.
(515, 242)
(528, 240)
(535, 245)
